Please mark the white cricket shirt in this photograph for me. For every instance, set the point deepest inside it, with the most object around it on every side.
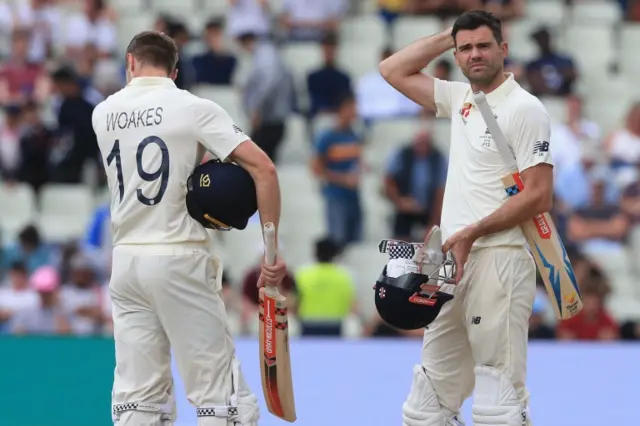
(151, 136)
(474, 188)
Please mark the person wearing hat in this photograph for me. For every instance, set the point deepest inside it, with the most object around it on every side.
(165, 285)
(48, 317)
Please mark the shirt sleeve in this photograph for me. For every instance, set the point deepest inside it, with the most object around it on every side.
(448, 96)
(215, 129)
(529, 135)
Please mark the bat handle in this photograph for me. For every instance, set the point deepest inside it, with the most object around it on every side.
(269, 231)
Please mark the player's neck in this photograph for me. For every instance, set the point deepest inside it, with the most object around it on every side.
(151, 72)
(490, 87)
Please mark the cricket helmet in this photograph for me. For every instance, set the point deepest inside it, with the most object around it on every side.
(221, 195)
(409, 293)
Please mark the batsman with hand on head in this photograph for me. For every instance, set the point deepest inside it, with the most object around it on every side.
(165, 285)
(478, 342)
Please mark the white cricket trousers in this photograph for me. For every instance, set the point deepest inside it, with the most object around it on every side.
(168, 297)
(486, 324)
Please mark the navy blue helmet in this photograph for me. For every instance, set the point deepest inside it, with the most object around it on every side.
(221, 195)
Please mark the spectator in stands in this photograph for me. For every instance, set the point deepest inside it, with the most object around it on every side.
(179, 32)
(538, 328)
(309, 20)
(570, 139)
(552, 73)
(601, 225)
(36, 142)
(592, 323)
(630, 330)
(329, 83)
(443, 70)
(216, 65)
(623, 145)
(10, 132)
(506, 10)
(574, 182)
(81, 298)
(249, 16)
(338, 164)
(268, 93)
(30, 250)
(86, 68)
(76, 141)
(326, 293)
(47, 318)
(441, 8)
(630, 202)
(95, 25)
(250, 293)
(21, 79)
(42, 18)
(15, 294)
(414, 182)
(390, 10)
(378, 100)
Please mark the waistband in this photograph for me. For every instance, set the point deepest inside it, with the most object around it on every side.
(164, 249)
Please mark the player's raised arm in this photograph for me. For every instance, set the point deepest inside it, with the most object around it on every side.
(403, 70)
(219, 134)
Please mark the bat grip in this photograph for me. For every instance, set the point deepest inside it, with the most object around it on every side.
(269, 231)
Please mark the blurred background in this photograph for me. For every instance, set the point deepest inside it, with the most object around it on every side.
(358, 162)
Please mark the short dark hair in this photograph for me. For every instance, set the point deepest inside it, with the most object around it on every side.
(326, 250)
(330, 38)
(474, 19)
(216, 23)
(344, 98)
(155, 49)
(65, 74)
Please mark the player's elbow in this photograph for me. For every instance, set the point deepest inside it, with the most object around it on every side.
(387, 69)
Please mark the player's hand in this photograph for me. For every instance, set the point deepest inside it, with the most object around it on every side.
(460, 245)
(272, 274)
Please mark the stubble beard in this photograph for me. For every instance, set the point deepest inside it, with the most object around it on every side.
(487, 77)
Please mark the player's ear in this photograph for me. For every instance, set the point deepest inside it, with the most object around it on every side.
(174, 74)
(505, 48)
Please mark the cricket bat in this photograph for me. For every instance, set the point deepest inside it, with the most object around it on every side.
(275, 361)
(546, 245)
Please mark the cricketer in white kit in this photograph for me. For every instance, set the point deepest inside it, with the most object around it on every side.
(478, 343)
(165, 284)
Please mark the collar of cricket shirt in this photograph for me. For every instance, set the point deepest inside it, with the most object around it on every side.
(502, 91)
(151, 81)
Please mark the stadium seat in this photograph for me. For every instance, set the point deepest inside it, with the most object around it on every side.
(556, 108)
(18, 209)
(182, 8)
(366, 263)
(600, 55)
(518, 35)
(227, 97)
(629, 42)
(549, 12)
(241, 249)
(131, 24)
(408, 29)
(376, 208)
(358, 59)
(599, 12)
(296, 146)
(386, 136)
(364, 29)
(125, 7)
(65, 211)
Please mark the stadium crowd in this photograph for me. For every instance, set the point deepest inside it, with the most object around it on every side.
(61, 58)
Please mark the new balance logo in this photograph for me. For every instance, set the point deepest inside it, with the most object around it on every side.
(476, 320)
(540, 147)
(237, 129)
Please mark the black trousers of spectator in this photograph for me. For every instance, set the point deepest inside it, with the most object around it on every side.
(268, 136)
(403, 224)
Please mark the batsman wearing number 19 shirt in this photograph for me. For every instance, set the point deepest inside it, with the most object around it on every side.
(165, 285)
(478, 342)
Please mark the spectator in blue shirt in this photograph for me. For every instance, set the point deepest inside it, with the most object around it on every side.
(551, 73)
(216, 66)
(30, 251)
(414, 183)
(327, 84)
(337, 163)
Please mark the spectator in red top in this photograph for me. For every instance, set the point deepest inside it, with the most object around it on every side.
(20, 79)
(592, 323)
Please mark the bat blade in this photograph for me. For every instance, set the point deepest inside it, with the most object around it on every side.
(275, 359)
(550, 256)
